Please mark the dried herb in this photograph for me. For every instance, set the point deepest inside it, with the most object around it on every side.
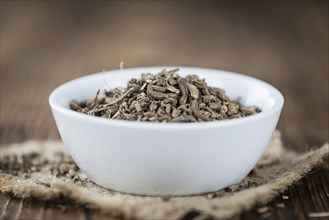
(164, 97)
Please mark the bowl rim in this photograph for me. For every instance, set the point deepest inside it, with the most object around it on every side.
(279, 99)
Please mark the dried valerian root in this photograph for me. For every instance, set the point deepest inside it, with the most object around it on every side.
(165, 97)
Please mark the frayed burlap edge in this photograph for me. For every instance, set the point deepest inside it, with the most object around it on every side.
(128, 206)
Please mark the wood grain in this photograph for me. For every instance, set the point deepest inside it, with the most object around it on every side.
(44, 44)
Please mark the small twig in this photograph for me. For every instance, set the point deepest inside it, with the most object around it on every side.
(75, 105)
(121, 65)
(96, 97)
(285, 197)
(115, 115)
(280, 205)
(173, 70)
(119, 98)
(318, 214)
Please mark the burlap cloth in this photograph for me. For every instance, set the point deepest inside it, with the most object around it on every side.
(45, 171)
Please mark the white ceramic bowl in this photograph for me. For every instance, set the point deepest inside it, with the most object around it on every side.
(150, 158)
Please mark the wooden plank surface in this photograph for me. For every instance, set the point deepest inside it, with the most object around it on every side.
(44, 44)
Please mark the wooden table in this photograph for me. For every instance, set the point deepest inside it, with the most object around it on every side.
(44, 44)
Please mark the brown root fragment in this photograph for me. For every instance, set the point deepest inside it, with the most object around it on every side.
(164, 97)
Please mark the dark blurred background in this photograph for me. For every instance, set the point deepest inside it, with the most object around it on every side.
(46, 43)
